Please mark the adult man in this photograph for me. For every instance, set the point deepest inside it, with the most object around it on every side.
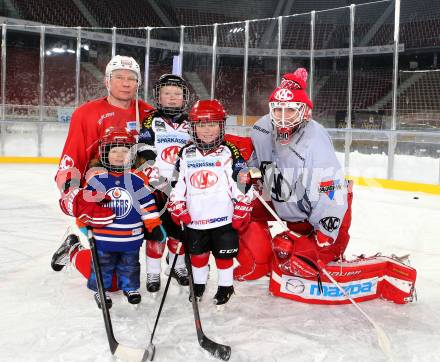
(304, 180)
(119, 109)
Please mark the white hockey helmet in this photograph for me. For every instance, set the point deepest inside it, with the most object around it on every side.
(123, 62)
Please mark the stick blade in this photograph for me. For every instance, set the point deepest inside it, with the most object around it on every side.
(218, 350)
(131, 354)
(384, 341)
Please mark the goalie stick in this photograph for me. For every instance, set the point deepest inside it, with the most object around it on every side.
(218, 350)
(118, 350)
(383, 340)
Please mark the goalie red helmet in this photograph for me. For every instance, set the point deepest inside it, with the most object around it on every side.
(290, 105)
(207, 115)
(116, 149)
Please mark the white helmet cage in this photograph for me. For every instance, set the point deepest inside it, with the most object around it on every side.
(175, 81)
(123, 62)
(203, 146)
(117, 140)
(287, 122)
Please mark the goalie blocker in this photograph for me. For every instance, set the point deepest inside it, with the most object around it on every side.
(363, 279)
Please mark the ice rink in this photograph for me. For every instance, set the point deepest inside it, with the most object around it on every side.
(49, 316)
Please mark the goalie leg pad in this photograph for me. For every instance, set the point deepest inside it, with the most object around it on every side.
(255, 252)
(363, 279)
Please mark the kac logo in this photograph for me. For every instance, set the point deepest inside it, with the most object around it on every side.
(330, 223)
(121, 202)
(169, 154)
(66, 163)
(203, 179)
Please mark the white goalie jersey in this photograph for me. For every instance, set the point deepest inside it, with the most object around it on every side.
(208, 184)
(304, 178)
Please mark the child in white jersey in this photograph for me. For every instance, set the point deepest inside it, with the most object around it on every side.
(209, 198)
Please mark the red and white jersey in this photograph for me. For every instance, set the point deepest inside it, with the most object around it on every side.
(208, 184)
(89, 123)
(168, 138)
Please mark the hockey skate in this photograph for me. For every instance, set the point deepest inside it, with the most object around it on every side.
(62, 256)
(223, 295)
(153, 282)
(108, 300)
(199, 289)
(133, 296)
(181, 275)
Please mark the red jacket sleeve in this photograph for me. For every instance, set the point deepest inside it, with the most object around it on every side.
(81, 144)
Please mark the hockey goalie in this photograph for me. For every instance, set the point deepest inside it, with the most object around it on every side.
(299, 173)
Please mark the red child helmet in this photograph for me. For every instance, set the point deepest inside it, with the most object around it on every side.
(207, 111)
(117, 137)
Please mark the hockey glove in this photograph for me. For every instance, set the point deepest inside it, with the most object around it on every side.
(241, 215)
(158, 234)
(179, 212)
(294, 255)
(88, 207)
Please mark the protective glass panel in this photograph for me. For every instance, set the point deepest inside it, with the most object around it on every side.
(95, 54)
(229, 70)
(197, 61)
(20, 139)
(330, 83)
(132, 44)
(418, 101)
(373, 66)
(295, 45)
(425, 167)
(22, 74)
(164, 55)
(59, 74)
(262, 67)
(368, 155)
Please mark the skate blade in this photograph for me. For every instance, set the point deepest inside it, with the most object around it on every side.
(152, 295)
(220, 308)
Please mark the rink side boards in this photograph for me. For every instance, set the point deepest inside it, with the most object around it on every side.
(361, 181)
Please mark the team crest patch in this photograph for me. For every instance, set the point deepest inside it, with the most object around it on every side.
(121, 202)
(329, 188)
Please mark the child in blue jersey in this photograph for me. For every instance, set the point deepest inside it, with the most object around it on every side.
(118, 243)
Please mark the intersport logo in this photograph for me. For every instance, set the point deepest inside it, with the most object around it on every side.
(203, 179)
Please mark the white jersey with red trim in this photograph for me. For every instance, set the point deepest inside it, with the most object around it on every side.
(208, 184)
(305, 180)
(168, 137)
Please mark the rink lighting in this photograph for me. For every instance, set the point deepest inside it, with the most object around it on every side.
(86, 47)
(59, 51)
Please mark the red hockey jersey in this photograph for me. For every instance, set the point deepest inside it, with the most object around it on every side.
(89, 123)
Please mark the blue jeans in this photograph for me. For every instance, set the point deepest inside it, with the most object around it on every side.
(126, 266)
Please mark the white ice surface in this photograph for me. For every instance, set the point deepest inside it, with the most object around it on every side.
(49, 316)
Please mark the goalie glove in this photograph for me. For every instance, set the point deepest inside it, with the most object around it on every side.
(179, 212)
(87, 206)
(241, 215)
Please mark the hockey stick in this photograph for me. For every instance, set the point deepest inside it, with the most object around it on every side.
(383, 340)
(151, 347)
(123, 352)
(218, 350)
